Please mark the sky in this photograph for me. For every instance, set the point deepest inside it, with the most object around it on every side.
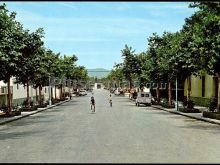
(96, 32)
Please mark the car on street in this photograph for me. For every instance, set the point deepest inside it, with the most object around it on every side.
(143, 98)
(117, 91)
(82, 93)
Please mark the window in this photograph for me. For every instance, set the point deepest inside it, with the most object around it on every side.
(3, 89)
(147, 95)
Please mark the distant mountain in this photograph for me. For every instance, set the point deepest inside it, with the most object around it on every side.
(98, 72)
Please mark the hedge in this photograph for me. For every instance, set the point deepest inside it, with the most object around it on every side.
(212, 115)
(204, 102)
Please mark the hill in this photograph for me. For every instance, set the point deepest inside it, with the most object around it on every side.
(98, 72)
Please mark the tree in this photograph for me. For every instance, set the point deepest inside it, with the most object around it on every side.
(204, 28)
(28, 65)
(42, 71)
(11, 44)
(155, 69)
(67, 68)
(116, 75)
(144, 62)
(164, 54)
(130, 64)
(79, 74)
(57, 72)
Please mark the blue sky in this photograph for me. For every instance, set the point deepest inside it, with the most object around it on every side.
(96, 32)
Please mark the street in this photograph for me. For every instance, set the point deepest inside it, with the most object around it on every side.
(124, 133)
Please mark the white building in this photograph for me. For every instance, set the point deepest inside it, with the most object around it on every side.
(98, 86)
(19, 93)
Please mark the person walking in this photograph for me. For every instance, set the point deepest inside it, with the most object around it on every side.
(110, 100)
(92, 104)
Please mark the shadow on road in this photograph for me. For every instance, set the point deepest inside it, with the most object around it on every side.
(129, 105)
(212, 128)
(18, 134)
(31, 120)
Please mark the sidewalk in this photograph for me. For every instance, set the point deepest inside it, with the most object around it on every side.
(197, 116)
(4, 120)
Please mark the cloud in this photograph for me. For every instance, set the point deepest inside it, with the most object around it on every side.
(102, 59)
(32, 17)
(120, 6)
(100, 25)
(62, 39)
(96, 53)
(86, 28)
(100, 30)
(69, 5)
(166, 5)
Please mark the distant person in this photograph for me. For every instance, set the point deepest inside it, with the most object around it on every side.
(135, 94)
(93, 104)
(110, 100)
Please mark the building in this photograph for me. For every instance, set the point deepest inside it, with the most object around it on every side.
(98, 86)
(19, 93)
(203, 88)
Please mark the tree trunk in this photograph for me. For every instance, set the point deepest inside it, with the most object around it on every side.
(169, 93)
(51, 89)
(218, 93)
(158, 93)
(40, 96)
(9, 104)
(130, 83)
(64, 91)
(188, 87)
(37, 99)
(70, 91)
(28, 100)
(61, 91)
(55, 92)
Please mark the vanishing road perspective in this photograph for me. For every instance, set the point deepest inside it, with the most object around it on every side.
(123, 133)
(160, 62)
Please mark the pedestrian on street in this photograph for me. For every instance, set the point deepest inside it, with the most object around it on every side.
(93, 104)
(110, 100)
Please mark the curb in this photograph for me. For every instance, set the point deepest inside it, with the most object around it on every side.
(31, 113)
(213, 121)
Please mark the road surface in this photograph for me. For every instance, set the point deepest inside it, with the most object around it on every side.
(124, 133)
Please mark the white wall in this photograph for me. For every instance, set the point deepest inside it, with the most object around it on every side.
(95, 86)
(19, 91)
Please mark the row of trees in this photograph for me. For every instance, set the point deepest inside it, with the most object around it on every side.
(194, 50)
(24, 56)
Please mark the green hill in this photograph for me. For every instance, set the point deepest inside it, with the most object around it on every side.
(98, 72)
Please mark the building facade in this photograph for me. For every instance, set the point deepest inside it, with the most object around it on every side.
(203, 88)
(19, 93)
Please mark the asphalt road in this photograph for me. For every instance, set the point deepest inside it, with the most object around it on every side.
(124, 133)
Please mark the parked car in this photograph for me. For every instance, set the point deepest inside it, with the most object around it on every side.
(143, 98)
(82, 93)
(116, 92)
